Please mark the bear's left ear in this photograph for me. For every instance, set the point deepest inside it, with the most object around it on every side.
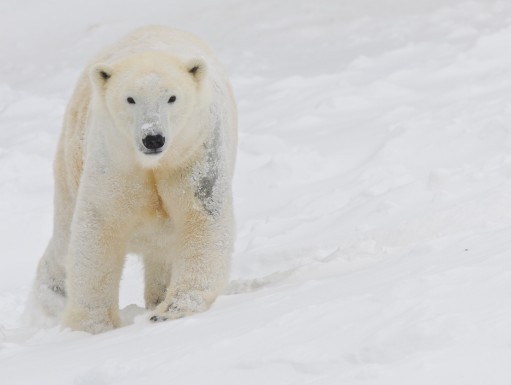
(99, 74)
(197, 68)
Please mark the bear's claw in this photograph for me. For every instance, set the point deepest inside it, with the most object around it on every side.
(158, 318)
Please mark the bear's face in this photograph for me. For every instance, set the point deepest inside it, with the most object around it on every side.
(150, 98)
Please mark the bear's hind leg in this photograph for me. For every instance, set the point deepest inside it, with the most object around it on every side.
(48, 297)
(49, 292)
(157, 279)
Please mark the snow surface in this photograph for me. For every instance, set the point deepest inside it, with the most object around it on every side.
(373, 194)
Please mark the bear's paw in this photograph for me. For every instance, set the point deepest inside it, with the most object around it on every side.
(179, 306)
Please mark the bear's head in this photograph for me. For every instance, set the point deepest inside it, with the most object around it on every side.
(152, 99)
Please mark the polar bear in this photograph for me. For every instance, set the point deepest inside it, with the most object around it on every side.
(144, 165)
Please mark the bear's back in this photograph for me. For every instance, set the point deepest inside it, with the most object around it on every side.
(182, 44)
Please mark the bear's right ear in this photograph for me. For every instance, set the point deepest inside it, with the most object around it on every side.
(99, 74)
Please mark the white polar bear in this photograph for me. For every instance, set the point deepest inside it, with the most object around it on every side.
(144, 165)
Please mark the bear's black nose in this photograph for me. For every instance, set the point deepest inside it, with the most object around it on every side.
(153, 142)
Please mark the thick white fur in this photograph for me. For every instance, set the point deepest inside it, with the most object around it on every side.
(173, 208)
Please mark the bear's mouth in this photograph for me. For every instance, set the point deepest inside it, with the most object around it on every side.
(152, 152)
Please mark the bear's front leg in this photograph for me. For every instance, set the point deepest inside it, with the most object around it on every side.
(200, 270)
(94, 267)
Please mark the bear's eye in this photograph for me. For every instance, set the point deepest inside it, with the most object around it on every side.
(131, 100)
(172, 99)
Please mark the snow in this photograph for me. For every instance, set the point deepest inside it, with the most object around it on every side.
(373, 195)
